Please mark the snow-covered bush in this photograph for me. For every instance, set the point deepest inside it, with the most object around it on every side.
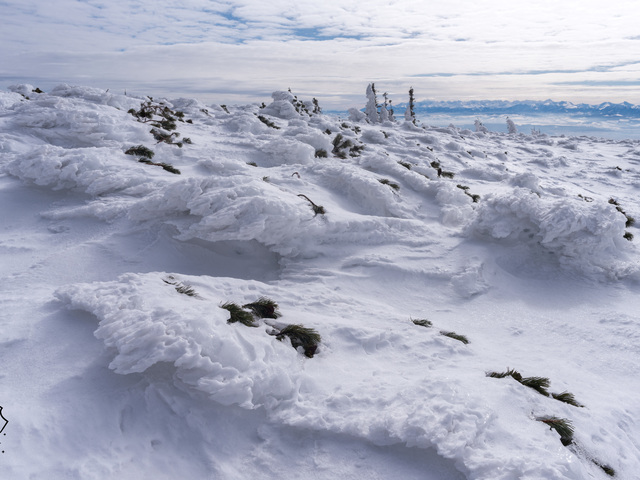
(282, 106)
(511, 127)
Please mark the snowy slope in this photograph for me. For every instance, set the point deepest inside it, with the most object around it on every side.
(516, 242)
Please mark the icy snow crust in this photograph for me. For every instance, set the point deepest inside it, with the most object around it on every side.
(521, 251)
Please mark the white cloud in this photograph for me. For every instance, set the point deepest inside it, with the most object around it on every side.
(220, 50)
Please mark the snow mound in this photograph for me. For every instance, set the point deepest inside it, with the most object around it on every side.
(147, 321)
(584, 237)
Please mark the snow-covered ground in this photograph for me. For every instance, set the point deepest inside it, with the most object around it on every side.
(118, 361)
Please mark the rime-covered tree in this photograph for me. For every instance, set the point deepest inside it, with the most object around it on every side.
(371, 110)
(480, 127)
(410, 113)
(386, 114)
(511, 127)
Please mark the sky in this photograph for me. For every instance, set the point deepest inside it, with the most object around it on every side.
(238, 52)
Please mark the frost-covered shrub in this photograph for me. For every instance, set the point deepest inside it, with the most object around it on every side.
(286, 105)
(343, 147)
(282, 106)
(511, 127)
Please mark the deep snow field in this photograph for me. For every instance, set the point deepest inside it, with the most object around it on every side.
(118, 361)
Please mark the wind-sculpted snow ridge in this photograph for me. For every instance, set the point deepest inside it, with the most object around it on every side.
(230, 363)
(585, 237)
(431, 404)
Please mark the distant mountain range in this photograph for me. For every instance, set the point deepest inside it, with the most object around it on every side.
(527, 107)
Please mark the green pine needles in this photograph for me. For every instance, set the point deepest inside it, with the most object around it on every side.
(264, 308)
(562, 426)
(180, 287)
(386, 181)
(141, 151)
(568, 398)
(539, 384)
(455, 336)
(605, 468)
(300, 336)
(165, 166)
(238, 315)
(445, 174)
(306, 338)
(186, 290)
(422, 322)
(344, 146)
(630, 220)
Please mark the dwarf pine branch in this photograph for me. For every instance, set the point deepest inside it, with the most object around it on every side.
(237, 314)
(141, 151)
(300, 336)
(317, 209)
(180, 287)
(562, 426)
(422, 322)
(386, 181)
(455, 336)
(567, 397)
(264, 308)
(268, 122)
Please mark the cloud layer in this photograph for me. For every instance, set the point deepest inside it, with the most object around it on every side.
(240, 51)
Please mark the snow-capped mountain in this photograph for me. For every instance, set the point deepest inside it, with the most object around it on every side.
(546, 107)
